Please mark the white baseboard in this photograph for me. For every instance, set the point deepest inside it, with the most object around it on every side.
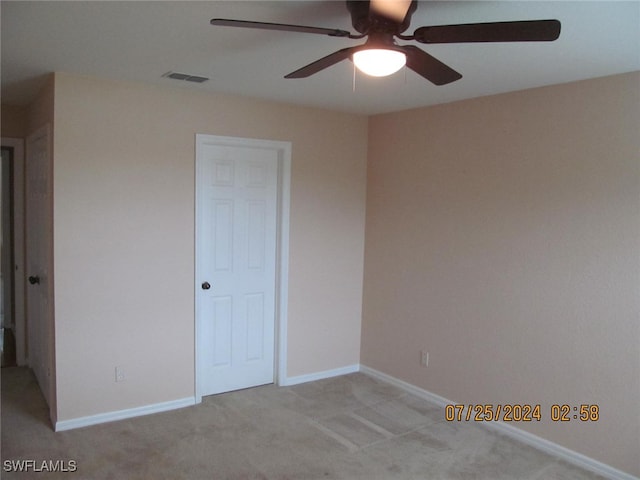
(123, 414)
(311, 377)
(186, 402)
(530, 439)
(407, 387)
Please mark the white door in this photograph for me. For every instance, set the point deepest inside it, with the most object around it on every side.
(237, 204)
(38, 252)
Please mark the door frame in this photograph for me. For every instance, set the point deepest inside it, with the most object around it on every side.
(282, 244)
(18, 145)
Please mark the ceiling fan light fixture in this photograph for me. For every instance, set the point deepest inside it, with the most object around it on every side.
(379, 62)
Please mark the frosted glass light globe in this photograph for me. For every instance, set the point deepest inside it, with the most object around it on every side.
(379, 62)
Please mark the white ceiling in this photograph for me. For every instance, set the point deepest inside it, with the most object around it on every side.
(142, 40)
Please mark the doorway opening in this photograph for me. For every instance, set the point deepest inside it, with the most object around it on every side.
(12, 320)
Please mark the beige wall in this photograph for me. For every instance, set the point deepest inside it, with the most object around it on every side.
(13, 121)
(502, 236)
(124, 236)
(41, 111)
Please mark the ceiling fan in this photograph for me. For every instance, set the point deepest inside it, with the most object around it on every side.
(382, 21)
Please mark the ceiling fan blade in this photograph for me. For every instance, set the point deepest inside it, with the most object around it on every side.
(332, 32)
(521, 31)
(323, 63)
(429, 67)
(393, 9)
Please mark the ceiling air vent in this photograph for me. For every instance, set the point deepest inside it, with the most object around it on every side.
(186, 77)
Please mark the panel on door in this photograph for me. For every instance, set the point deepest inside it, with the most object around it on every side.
(236, 265)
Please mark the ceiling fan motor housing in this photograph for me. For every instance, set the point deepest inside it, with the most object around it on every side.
(365, 20)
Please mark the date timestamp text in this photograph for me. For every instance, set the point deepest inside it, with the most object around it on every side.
(516, 412)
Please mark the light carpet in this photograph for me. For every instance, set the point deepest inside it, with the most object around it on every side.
(349, 427)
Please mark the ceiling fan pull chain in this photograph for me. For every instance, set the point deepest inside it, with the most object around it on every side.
(354, 78)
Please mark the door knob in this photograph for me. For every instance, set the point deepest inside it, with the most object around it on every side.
(206, 286)
(33, 280)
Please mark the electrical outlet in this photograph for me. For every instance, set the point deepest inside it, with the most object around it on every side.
(119, 374)
(424, 358)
